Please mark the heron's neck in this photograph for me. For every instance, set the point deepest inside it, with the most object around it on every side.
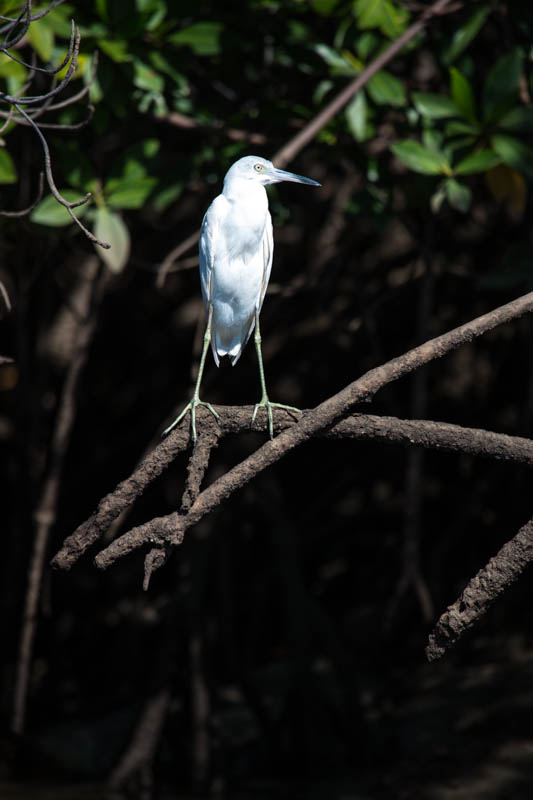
(245, 192)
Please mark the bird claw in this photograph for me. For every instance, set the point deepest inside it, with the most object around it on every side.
(265, 403)
(191, 406)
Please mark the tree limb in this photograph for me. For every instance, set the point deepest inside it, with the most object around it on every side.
(171, 528)
(482, 590)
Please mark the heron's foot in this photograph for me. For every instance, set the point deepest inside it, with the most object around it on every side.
(192, 406)
(265, 403)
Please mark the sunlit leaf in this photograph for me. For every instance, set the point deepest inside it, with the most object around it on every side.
(481, 161)
(366, 44)
(338, 64)
(41, 38)
(129, 193)
(146, 77)
(109, 227)
(203, 38)
(465, 34)
(462, 94)
(50, 212)
(357, 117)
(382, 14)
(437, 199)
(434, 106)
(419, 158)
(501, 87)
(386, 89)
(116, 49)
(8, 171)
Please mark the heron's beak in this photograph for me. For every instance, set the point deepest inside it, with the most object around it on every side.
(278, 175)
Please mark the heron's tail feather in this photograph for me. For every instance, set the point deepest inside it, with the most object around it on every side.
(230, 345)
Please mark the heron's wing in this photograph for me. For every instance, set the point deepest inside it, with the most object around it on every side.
(268, 252)
(208, 236)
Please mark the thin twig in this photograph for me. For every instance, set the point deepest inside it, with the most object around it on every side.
(173, 256)
(29, 209)
(53, 188)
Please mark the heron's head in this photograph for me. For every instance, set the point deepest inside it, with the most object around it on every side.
(255, 168)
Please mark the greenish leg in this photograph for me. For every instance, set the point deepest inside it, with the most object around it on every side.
(196, 396)
(265, 402)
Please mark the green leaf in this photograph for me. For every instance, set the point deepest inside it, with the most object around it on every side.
(324, 7)
(382, 14)
(130, 193)
(8, 171)
(437, 199)
(419, 158)
(459, 195)
(434, 106)
(116, 49)
(465, 34)
(366, 44)
(433, 140)
(481, 161)
(146, 78)
(518, 119)
(339, 65)
(109, 227)
(514, 153)
(50, 212)
(15, 74)
(462, 94)
(386, 89)
(357, 117)
(456, 127)
(501, 87)
(41, 38)
(165, 196)
(203, 38)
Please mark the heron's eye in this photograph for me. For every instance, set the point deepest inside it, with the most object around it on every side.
(259, 168)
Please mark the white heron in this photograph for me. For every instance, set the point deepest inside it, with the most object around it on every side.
(236, 247)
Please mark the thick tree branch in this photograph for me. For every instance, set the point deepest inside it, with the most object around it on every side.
(236, 419)
(171, 528)
(482, 590)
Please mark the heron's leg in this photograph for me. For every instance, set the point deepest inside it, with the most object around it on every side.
(264, 396)
(196, 396)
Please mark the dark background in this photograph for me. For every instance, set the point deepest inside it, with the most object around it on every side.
(295, 616)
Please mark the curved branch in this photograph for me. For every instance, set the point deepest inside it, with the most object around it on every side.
(171, 529)
(74, 49)
(33, 17)
(233, 420)
(53, 188)
(29, 209)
